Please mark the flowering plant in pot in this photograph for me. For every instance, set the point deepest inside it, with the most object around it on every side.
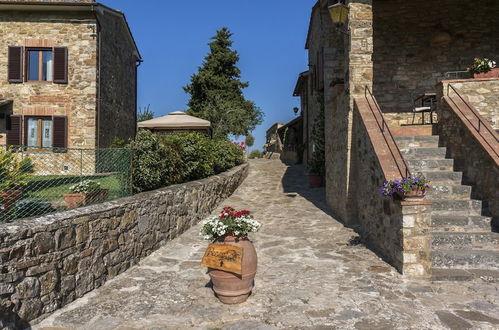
(232, 227)
(412, 188)
(483, 68)
(84, 193)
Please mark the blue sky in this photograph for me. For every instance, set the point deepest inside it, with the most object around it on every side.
(173, 34)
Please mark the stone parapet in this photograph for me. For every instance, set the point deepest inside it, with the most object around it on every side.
(475, 152)
(50, 261)
(397, 231)
(483, 94)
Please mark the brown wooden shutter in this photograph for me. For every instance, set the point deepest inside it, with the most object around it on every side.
(15, 71)
(60, 65)
(60, 132)
(14, 131)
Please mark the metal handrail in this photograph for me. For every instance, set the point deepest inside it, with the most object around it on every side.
(481, 123)
(404, 172)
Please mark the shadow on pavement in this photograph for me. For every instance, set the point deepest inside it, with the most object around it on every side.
(295, 180)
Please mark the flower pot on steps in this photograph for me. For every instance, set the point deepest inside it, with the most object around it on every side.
(415, 195)
(493, 73)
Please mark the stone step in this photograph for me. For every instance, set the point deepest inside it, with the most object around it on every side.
(436, 177)
(456, 207)
(463, 223)
(465, 240)
(417, 141)
(466, 259)
(423, 153)
(418, 165)
(449, 191)
(446, 274)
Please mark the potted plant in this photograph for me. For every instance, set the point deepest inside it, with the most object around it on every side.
(14, 174)
(483, 68)
(84, 193)
(412, 188)
(231, 227)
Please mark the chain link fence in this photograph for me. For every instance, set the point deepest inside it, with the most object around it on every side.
(43, 181)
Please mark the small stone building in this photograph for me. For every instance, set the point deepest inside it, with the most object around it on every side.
(68, 75)
(177, 122)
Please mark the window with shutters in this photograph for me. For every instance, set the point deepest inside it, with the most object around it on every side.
(39, 65)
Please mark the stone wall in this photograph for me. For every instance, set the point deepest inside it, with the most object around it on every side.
(483, 94)
(404, 60)
(117, 114)
(77, 99)
(48, 262)
(397, 231)
(472, 155)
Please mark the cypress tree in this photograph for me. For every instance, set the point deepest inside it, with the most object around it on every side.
(217, 91)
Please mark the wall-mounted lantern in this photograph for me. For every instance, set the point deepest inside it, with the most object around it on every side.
(339, 13)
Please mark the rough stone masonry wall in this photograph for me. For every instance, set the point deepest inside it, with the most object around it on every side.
(48, 262)
(470, 157)
(404, 61)
(397, 231)
(117, 113)
(483, 94)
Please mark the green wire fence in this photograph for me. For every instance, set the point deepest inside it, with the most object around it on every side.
(42, 181)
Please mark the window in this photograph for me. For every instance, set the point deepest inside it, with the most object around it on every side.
(39, 65)
(39, 132)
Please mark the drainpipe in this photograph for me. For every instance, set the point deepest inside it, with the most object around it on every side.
(137, 64)
(98, 101)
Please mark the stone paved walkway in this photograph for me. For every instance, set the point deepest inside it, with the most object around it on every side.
(311, 275)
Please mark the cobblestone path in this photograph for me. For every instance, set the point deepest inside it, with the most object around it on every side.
(312, 275)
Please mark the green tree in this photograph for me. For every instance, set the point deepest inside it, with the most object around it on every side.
(217, 91)
(250, 140)
(145, 113)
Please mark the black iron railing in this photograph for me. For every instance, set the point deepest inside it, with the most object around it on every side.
(397, 156)
(477, 122)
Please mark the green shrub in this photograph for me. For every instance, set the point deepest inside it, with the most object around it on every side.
(14, 170)
(227, 155)
(196, 152)
(255, 154)
(155, 164)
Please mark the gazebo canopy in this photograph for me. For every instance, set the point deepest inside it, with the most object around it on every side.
(175, 120)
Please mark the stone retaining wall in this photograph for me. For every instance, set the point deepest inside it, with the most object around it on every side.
(49, 262)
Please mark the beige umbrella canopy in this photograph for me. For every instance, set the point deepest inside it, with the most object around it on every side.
(175, 120)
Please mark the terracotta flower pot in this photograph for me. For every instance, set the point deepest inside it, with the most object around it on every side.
(314, 180)
(81, 199)
(10, 197)
(232, 288)
(414, 195)
(494, 73)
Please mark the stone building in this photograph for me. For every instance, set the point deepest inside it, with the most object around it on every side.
(68, 75)
(366, 73)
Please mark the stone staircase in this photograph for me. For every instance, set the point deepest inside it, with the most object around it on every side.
(463, 244)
